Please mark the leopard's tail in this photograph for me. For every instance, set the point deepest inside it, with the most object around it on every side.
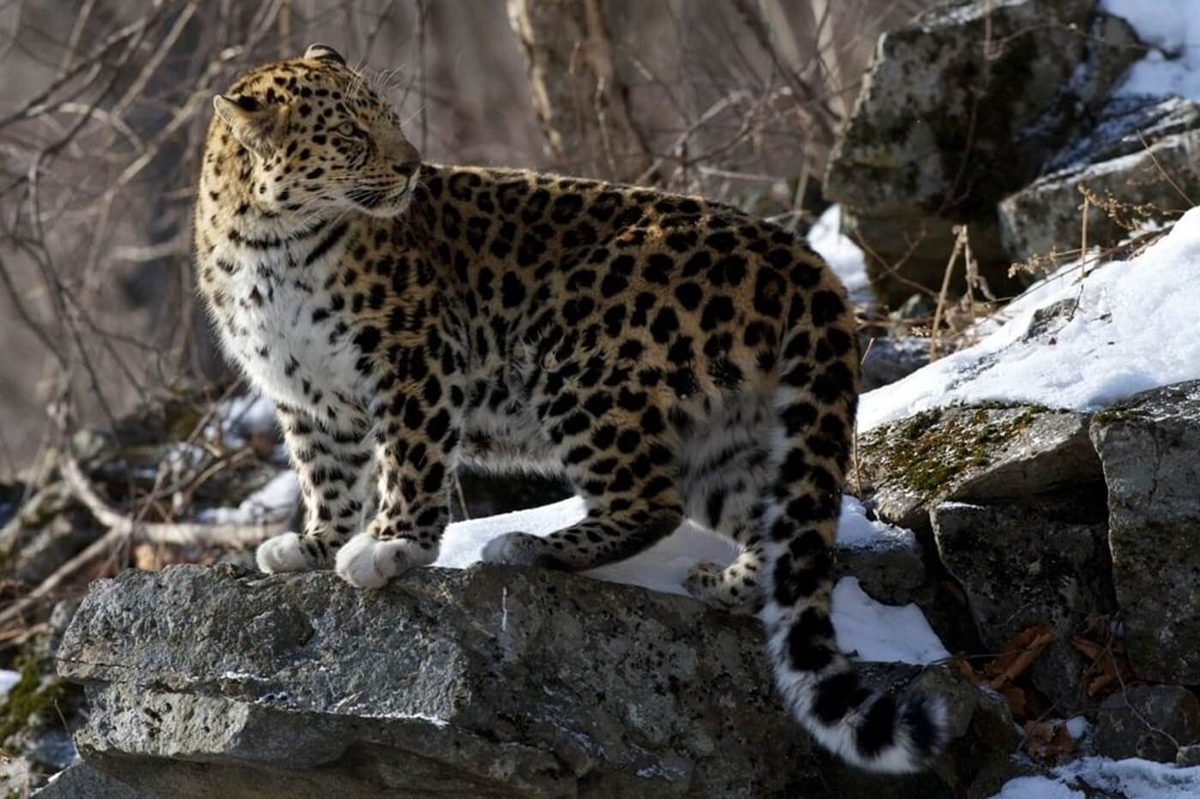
(816, 404)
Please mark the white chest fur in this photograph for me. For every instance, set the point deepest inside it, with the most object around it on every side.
(281, 324)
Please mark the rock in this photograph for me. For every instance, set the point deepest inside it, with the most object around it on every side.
(1121, 126)
(979, 453)
(84, 780)
(907, 254)
(958, 109)
(11, 495)
(1023, 566)
(892, 567)
(889, 568)
(983, 732)
(1188, 756)
(1148, 721)
(891, 359)
(497, 681)
(47, 531)
(1149, 446)
(965, 103)
(1150, 185)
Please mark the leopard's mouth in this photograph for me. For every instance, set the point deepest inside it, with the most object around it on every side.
(382, 202)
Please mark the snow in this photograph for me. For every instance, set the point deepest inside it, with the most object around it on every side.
(1131, 329)
(8, 679)
(1132, 778)
(243, 417)
(873, 630)
(1078, 727)
(270, 502)
(856, 531)
(660, 568)
(1172, 28)
(842, 254)
(1037, 788)
(879, 632)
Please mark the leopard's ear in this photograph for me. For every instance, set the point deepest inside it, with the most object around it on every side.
(257, 126)
(324, 52)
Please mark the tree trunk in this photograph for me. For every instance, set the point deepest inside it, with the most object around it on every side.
(578, 97)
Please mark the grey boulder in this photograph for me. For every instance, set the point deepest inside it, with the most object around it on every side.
(1141, 157)
(963, 104)
(1022, 566)
(1149, 446)
(493, 681)
(959, 108)
(972, 454)
(1148, 721)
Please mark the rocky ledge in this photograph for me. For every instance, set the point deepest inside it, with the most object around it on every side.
(491, 681)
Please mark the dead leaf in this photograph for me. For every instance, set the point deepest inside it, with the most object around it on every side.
(1017, 699)
(1048, 741)
(1109, 667)
(1018, 654)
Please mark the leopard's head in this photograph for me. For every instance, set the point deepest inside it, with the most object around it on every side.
(314, 136)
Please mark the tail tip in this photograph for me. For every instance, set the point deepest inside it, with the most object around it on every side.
(920, 736)
(925, 718)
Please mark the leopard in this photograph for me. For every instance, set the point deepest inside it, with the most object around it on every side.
(672, 357)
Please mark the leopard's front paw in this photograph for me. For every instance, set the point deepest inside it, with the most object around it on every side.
(367, 562)
(288, 553)
(518, 549)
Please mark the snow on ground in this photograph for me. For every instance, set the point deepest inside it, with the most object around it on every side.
(842, 254)
(8, 679)
(268, 503)
(882, 632)
(874, 630)
(1172, 28)
(856, 531)
(1078, 727)
(243, 417)
(1133, 329)
(1133, 779)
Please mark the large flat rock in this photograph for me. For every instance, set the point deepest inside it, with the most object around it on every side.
(492, 681)
(984, 453)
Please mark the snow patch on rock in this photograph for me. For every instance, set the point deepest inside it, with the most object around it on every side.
(1125, 327)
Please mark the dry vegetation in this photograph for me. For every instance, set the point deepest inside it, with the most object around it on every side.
(105, 105)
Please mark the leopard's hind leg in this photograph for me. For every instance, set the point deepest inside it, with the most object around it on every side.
(621, 459)
(724, 472)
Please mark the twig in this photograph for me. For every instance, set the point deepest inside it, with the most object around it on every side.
(176, 533)
(960, 238)
(98, 549)
(894, 269)
(1163, 172)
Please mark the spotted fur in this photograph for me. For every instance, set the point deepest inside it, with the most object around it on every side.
(672, 357)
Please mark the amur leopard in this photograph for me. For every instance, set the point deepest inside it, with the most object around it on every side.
(672, 357)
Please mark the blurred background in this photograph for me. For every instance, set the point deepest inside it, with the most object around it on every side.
(105, 103)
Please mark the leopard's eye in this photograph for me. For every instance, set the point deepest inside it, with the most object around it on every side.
(349, 129)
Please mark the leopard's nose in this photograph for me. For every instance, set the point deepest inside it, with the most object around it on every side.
(406, 169)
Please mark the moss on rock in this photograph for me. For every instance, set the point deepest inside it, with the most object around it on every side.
(932, 448)
(37, 700)
(988, 451)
